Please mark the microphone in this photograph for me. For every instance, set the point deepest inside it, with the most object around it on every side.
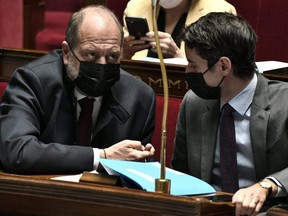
(162, 185)
(155, 3)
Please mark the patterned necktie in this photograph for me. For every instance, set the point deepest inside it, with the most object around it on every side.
(84, 126)
(228, 151)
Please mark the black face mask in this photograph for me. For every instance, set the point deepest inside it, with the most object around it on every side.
(96, 79)
(198, 85)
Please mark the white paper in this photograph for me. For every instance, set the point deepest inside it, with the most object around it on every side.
(270, 65)
(262, 65)
(71, 178)
(179, 61)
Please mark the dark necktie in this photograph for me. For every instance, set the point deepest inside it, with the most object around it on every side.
(228, 151)
(84, 126)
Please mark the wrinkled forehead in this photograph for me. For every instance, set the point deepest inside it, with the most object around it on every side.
(100, 27)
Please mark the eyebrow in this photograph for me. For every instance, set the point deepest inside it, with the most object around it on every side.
(115, 49)
(91, 48)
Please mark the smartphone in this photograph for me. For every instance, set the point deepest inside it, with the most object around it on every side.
(137, 26)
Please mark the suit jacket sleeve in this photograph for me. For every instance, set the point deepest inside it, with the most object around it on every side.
(180, 161)
(36, 124)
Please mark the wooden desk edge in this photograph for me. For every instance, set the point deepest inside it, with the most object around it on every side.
(60, 191)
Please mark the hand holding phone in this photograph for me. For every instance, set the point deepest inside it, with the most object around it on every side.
(137, 26)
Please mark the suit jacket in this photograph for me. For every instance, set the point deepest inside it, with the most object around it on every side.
(198, 8)
(37, 119)
(197, 125)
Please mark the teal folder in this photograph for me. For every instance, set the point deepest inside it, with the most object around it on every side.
(142, 175)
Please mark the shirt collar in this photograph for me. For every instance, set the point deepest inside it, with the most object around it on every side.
(80, 96)
(242, 101)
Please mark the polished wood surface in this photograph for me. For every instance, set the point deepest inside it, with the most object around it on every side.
(10, 59)
(31, 195)
(149, 72)
(279, 210)
(38, 195)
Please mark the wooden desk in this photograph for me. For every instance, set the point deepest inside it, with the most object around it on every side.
(280, 210)
(10, 59)
(38, 195)
(149, 72)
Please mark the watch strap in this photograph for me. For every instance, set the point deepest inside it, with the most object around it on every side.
(269, 188)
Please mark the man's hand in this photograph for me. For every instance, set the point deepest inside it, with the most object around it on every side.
(130, 150)
(250, 200)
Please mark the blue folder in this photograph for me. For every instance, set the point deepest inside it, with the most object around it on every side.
(142, 175)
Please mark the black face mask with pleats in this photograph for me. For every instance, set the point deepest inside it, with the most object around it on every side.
(96, 79)
(198, 85)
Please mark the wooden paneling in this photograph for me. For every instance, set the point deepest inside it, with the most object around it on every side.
(10, 59)
(149, 72)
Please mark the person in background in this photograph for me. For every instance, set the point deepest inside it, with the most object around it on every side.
(172, 17)
(43, 102)
(222, 75)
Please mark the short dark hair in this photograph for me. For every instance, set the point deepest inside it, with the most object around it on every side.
(220, 34)
(72, 33)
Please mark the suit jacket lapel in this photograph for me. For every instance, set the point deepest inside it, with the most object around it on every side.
(110, 110)
(209, 133)
(258, 125)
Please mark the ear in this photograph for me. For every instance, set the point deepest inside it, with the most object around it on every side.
(65, 51)
(226, 65)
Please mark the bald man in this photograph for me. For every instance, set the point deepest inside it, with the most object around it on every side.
(41, 106)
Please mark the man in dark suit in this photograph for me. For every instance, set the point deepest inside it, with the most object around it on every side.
(40, 108)
(220, 49)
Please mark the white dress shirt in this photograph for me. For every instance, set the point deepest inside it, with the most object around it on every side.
(242, 116)
(242, 106)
